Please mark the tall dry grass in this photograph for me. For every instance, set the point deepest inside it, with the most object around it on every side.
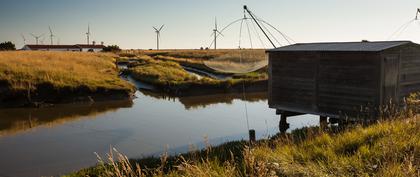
(23, 69)
(386, 149)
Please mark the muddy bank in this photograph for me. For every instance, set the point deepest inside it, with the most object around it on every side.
(46, 95)
(194, 89)
(204, 89)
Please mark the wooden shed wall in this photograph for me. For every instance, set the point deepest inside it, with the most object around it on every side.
(409, 69)
(324, 83)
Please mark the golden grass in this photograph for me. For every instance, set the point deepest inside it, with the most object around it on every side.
(171, 77)
(386, 149)
(161, 72)
(24, 69)
(390, 148)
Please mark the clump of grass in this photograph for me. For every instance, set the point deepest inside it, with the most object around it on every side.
(160, 72)
(61, 69)
(30, 72)
(171, 77)
(389, 148)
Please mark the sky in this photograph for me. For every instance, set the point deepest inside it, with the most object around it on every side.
(189, 23)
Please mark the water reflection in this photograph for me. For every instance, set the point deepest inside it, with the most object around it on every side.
(203, 101)
(63, 139)
(14, 121)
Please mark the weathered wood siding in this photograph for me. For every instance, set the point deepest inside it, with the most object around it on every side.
(409, 70)
(324, 83)
(348, 82)
(292, 83)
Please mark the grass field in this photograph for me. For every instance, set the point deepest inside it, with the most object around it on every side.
(171, 77)
(27, 71)
(164, 68)
(387, 149)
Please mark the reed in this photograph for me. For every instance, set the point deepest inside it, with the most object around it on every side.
(60, 69)
(389, 148)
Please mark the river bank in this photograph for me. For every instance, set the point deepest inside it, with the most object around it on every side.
(388, 148)
(187, 77)
(41, 79)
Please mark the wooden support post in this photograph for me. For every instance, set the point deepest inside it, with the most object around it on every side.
(323, 122)
(252, 137)
(283, 125)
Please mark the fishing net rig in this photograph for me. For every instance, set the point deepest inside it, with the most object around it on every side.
(403, 28)
(244, 60)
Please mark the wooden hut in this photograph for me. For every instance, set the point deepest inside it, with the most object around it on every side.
(342, 80)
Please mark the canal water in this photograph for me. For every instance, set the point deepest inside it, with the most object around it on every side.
(62, 139)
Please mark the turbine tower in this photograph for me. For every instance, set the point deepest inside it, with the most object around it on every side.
(215, 33)
(157, 31)
(36, 37)
(51, 35)
(88, 35)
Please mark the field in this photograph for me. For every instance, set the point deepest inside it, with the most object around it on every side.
(165, 68)
(389, 148)
(29, 74)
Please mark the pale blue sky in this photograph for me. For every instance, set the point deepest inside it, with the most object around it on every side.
(189, 23)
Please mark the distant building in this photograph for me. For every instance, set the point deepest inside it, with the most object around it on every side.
(75, 48)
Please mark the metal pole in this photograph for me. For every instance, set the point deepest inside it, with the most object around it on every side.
(215, 40)
(252, 16)
(157, 38)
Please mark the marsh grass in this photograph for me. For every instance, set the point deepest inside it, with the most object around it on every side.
(171, 76)
(24, 70)
(388, 148)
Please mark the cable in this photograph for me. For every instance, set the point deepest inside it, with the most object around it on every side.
(249, 34)
(240, 33)
(401, 29)
(259, 37)
(265, 28)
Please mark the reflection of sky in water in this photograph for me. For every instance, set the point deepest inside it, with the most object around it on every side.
(146, 128)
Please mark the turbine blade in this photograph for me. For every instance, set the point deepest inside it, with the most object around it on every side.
(161, 27)
(33, 35)
(49, 27)
(215, 22)
(155, 29)
(220, 33)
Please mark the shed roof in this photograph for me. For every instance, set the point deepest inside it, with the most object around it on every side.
(342, 46)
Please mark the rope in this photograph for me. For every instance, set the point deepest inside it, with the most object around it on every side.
(401, 29)
(259, 37)
(266, 29)
(240, 33)
(249, 34)
(281, 33)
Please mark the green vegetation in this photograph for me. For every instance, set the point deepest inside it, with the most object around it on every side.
(112, 48)
(38, 75)
(171, 77)
(5, 46)
(388, 148)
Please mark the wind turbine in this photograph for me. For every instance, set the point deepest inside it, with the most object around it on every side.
(88, 35)
(36, 37)
(216, 32)
(51, 35)
(158, 35)
(24, 39)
